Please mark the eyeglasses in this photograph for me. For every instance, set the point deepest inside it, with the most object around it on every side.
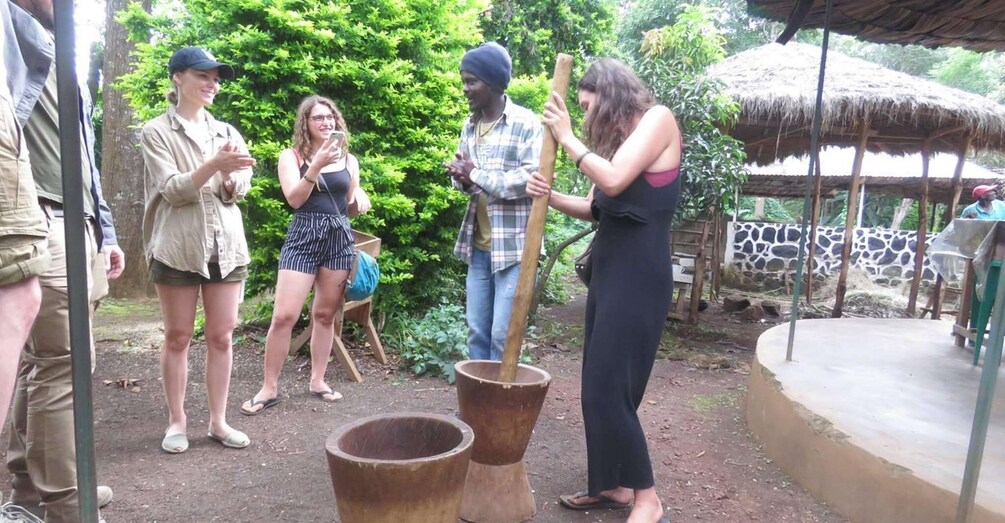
(322, 118)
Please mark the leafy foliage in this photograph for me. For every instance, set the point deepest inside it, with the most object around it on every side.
(535, 31)
(672, 62)
(391, 65)
(740, 30)
(433, 343)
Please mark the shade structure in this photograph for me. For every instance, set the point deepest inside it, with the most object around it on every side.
(775, 86)
(974, 24)
(882, 173)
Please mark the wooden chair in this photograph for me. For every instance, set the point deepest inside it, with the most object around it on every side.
(355, 311)
(949, 303)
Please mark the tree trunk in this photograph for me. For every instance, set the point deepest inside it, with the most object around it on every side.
(898, 217)
(122, 164)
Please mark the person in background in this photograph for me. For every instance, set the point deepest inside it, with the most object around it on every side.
(987, 206)
(632, 155)
(320, 180)
(41, 455)
(196, 170)
(500, 147)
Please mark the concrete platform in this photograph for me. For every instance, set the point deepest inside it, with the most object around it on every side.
(873, 417)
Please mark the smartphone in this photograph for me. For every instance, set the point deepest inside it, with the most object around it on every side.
(338, 138)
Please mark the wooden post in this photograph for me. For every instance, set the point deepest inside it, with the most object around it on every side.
(919, 249)
(961, 160)
(849, 224)
(817, 186)
(700, 262)
(535, 235)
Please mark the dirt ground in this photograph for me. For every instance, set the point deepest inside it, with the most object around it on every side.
(708, 468)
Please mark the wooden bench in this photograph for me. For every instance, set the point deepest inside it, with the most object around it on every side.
(356, 311)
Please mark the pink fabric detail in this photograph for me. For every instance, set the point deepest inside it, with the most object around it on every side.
(661, 179)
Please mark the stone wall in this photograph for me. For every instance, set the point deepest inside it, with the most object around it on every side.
(766, 253)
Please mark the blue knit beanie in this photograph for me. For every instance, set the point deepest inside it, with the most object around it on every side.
(490, 63)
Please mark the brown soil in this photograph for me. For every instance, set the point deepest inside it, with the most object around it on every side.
(707, 466)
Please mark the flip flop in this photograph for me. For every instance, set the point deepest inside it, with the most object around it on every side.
(602, 502)
(271, 402)
(324, 395)
(175, 443)
(235, 440)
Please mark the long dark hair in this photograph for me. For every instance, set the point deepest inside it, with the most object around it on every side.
(302, 130)
(621, 96)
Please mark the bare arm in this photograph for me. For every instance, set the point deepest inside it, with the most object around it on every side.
(655, 134)
(296, 188)
(575, 206)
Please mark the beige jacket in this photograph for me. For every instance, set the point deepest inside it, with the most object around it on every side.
(180, 221)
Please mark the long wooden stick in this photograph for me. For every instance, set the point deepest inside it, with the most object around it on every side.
(534, 237)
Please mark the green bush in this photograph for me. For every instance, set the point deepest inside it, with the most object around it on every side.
(391, 65)
(433, 343)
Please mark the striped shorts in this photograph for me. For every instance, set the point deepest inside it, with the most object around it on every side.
(316, 239)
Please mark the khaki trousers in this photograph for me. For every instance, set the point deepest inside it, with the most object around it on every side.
(41, 456)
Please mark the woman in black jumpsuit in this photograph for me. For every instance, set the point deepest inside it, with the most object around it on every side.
(632, 155)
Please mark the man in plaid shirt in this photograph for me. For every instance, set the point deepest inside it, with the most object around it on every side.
(499, 149)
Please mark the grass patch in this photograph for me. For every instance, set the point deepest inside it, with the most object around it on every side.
(116, 307)
(709, 403)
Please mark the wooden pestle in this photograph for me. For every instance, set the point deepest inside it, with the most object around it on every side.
(535, 235)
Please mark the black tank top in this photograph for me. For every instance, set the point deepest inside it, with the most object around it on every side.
(333, 183)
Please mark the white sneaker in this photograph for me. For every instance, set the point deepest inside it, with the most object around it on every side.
(104, 496)
(12, 513)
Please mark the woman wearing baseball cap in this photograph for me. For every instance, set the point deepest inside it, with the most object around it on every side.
(196, 170)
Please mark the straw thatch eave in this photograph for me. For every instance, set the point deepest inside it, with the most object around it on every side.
(776, 88)
(975, 24)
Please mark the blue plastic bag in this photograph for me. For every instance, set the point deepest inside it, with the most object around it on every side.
(367, 276)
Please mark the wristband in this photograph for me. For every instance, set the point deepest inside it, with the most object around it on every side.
(584, 155)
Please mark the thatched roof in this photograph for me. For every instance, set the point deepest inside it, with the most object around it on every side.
(776, 88)
(974, 24)
(881, 173)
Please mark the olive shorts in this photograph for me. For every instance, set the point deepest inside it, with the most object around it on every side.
(161, 274)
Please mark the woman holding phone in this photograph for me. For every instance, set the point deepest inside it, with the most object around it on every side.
(320, 180)
(196, 170)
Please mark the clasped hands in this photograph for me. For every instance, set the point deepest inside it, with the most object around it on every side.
(231, 158)
(460, 168)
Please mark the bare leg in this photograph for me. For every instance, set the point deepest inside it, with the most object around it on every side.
(648, 508)
(20, 302)
(327, 300)
(178, 309)
(292, 288)
(220, 302)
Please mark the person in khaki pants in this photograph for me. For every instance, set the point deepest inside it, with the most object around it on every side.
(41, 456)
(23, 253)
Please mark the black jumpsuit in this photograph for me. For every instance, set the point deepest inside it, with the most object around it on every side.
(626, 308)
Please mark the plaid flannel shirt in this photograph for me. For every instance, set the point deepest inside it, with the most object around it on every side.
(503, 165)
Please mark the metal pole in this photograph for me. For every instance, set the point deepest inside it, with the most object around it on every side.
(982, 414)
(76, 263)
(861, 206)
(814, 159)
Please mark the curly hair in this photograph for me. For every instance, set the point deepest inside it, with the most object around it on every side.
(621, 96)
(301, 128)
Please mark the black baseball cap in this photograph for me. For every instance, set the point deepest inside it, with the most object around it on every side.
(198, 58)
